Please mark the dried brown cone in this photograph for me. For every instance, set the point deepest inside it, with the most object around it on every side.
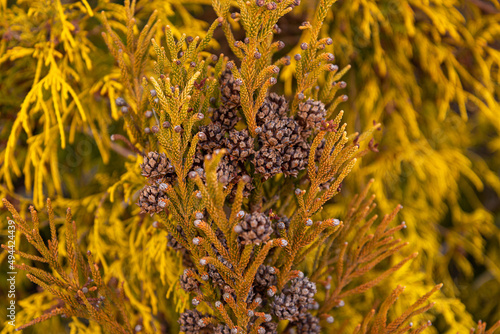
(188, 282)
(295, 158)
(270, 327)
(156, 166)
(190, 321)
(308, 324)
(240, 145)
(279, 132)
(282, 223)
(151, 199)
(198, 159)
(267, 162)
(247, 189)
(226, 117)
(274, 106)
(229, 90)
(295, 299)
(214, 274)
(222, 329)
(253, 296)
(310, 114)
(265, 278)
(214, 138)
(254, 228)
(228, 171)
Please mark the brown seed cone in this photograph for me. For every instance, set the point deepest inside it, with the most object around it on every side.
(254, 228)
(215, 275)
(268, 162)
(265, 278)
(274, 106)
(283, 223)
(229, 90)
(188, 283)
(190, 321)
(222, 329)
(247, 189)
(198, 158)
(270, 327)
(156, 165)
(253, 295)
(226, 117)
(279, 132)
(308, 324)
(228, 171)
(150, 198)
(295, 300)
(295, 158)
(215, 138)
(172, 242)
(240, 145)
(310, 114)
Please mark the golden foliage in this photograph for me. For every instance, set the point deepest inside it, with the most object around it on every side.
(428, 72)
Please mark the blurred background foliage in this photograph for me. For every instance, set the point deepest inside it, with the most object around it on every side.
(427, 70)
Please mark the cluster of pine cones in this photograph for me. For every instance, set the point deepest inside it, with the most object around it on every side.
(281, 146)
(161, 175)
(292, 304)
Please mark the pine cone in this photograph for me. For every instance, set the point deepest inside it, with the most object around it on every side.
(187, 282)
(222, 329)
(265, 278)
(240, 145)
(174, 243)
(253, 295)
(294, 301)
(156, 165)
(270, 327)
(198, 159)
(254, 228)
(228, 171)
(215, 137)
(215, 275)
(247, 189)
(283, 223)
(190, 321)
(229, 89)
(268, 162)
(226, 117)
(280, 132)
(309, 324)
(274, 106)
(150, 199)
(310, 114)
(295, 158)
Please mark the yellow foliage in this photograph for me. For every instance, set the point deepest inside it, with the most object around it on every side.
(427, 71)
